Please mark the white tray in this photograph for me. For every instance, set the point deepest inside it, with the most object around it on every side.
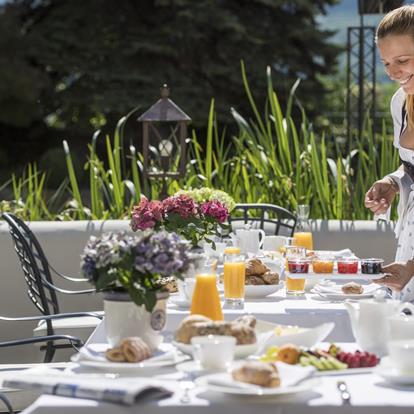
(340, 276)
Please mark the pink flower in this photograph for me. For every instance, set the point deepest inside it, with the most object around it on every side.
(216, 210)
(146, 214)
(181, 205)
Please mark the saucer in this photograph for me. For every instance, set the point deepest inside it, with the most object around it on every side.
(387, 371)
(180, 301)
(196, 368)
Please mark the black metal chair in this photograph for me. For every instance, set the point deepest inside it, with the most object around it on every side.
(41, 290)
(7, 404)
(272, 219)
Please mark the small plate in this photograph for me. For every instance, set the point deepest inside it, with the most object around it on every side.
(335, 292)
(217, 383)
(180, 301)
(387, 371)
(261, 291)
(151, 363)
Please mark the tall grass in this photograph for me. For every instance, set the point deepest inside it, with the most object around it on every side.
(273, 158)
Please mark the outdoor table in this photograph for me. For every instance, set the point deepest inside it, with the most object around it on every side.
(369, 392)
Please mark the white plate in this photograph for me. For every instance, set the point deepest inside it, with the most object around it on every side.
(204, 381)
(261, 291)
(386, 370)
(335, 276)
(242, 351)
(335, 292)
(111, 366)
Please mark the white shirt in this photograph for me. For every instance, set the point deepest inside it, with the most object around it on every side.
(405, 225)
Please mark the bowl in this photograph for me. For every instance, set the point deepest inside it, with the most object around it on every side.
(261, 291)
(301, 336)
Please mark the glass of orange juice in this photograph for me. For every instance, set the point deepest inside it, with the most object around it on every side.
(206, 299)
(234, 280)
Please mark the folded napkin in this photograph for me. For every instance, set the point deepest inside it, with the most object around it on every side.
(337, 254)
(96, 352)
(291, 375)
(121, 390)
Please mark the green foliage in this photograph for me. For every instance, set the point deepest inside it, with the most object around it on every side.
(271, 159)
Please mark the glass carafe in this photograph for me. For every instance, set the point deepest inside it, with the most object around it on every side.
(206, 299)
(303, 235)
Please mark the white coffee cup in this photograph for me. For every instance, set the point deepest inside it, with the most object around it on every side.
(402, 325)
(214, 351)
(402, 355)
(273, 243)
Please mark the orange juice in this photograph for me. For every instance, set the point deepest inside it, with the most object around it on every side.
(303, 239)
(234, 279)
(206, 300)
(232, 250)
(293, 285)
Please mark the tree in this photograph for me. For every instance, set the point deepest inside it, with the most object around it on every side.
(86, 62)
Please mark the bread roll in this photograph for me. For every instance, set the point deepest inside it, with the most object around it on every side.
(352, 288)
(264, 374)
(184, 332)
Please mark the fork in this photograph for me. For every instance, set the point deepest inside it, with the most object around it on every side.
(343, 390)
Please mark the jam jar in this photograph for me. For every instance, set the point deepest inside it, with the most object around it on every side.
(298, 265)
(348, 265)
(323, 264)
(371, 266)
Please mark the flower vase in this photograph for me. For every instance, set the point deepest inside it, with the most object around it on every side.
(123, 318)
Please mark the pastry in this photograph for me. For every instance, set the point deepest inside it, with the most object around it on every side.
(264, 374)
(352, 288)
(135, 349)
(248, 320)
(271, 278)
(197, 325)
(115, 355)
(288, 354)
(209, 328)
(254, 280)
(243, 333)
(184, 332)
(255, 267)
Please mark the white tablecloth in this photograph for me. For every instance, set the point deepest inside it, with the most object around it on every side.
(369, 393)
(307, 311)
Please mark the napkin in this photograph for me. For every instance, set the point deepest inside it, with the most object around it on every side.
(337, 254)
(121, 390)
(96, 352)
(291, 375)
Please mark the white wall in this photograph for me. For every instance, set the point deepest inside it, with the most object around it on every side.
(64, 241)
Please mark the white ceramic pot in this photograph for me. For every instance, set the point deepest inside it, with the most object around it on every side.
(123, 318)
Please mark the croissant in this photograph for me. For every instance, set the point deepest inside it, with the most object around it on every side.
(135, 349)
(115, 355)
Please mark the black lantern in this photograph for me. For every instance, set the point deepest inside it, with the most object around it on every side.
(164, 146)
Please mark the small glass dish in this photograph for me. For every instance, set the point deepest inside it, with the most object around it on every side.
(323, 264)
(348, 265)
(371, 266)
(297, 265)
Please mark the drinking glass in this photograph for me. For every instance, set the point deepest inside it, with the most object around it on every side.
(234, 280)
(295, 254)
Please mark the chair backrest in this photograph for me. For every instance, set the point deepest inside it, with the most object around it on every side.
(34, 265)
(268, 217)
